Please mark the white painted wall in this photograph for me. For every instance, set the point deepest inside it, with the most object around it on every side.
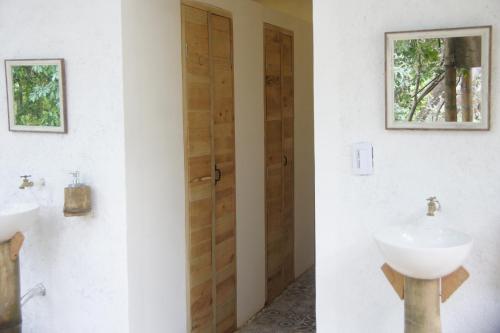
(461, 168)
(301, 9)
(154, 165)
(81, 261)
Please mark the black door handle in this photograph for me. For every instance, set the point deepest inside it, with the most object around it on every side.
(218, 174)
(285, 160)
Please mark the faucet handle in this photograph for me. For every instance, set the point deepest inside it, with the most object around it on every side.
(26, 182)
(432, 206)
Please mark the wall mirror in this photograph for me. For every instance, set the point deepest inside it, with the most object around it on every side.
(438, 79)
(35, 93)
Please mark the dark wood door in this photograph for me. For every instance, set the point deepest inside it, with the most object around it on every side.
(279, 127)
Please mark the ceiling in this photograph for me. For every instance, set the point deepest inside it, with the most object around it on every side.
(298, 8)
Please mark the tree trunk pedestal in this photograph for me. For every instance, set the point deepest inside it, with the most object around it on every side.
(422, 298)
(422, 312)
(10, 298)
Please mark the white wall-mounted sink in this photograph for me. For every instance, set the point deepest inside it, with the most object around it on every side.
(423, 251)
(16, 218)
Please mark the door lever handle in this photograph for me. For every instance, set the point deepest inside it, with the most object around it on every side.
(285, 160)
(218, 174)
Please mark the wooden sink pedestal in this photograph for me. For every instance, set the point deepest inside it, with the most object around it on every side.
(422, 310)
(422, 297)
(10, 286)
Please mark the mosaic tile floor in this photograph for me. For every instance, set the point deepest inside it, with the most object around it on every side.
(291, 312)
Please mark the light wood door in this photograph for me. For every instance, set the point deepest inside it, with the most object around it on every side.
(279, 124)
(210, 169)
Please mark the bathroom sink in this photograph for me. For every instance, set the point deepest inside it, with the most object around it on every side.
(423, 251)
(16, 218)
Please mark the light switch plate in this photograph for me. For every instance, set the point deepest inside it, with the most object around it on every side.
(362, 158)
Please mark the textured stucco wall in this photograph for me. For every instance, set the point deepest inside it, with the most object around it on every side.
(460, 168)
(81, 261)
(301, 9)
(154, 165)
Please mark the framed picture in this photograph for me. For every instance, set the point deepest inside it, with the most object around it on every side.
(36, 95)
(438, 79)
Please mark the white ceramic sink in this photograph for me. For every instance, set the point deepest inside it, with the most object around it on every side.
(423, 251)
(16, 218)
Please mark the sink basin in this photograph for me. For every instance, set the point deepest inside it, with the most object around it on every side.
(16, 218)
(423, 251)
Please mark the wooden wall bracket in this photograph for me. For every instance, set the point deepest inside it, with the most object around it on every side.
(10, 287)
(449, 284)
(16, 243)
(396, 279)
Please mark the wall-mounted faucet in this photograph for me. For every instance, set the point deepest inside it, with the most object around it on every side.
(38, 290)
(433, 206)
(26, 183)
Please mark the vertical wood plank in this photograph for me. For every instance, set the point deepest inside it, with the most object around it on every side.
(287, 96)
(279, 157)
(224, 153)
(198, 152)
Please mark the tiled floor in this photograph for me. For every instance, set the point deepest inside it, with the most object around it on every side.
(292, 312)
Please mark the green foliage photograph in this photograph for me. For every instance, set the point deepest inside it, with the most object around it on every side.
(36, 95)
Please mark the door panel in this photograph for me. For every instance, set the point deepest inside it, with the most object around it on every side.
(225, 200)
(278, 56)
(198, 128)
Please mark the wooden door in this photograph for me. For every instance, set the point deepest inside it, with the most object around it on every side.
(210, 168)
(279, 124)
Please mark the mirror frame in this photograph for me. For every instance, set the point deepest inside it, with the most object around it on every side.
(484, 32)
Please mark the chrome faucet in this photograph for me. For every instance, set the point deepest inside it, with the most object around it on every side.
(433, 206)
(38, 290)
(26, 182)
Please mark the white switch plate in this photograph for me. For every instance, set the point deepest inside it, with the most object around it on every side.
(362, 158)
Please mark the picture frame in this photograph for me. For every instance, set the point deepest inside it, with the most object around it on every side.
(454, 69)
(36, 95)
